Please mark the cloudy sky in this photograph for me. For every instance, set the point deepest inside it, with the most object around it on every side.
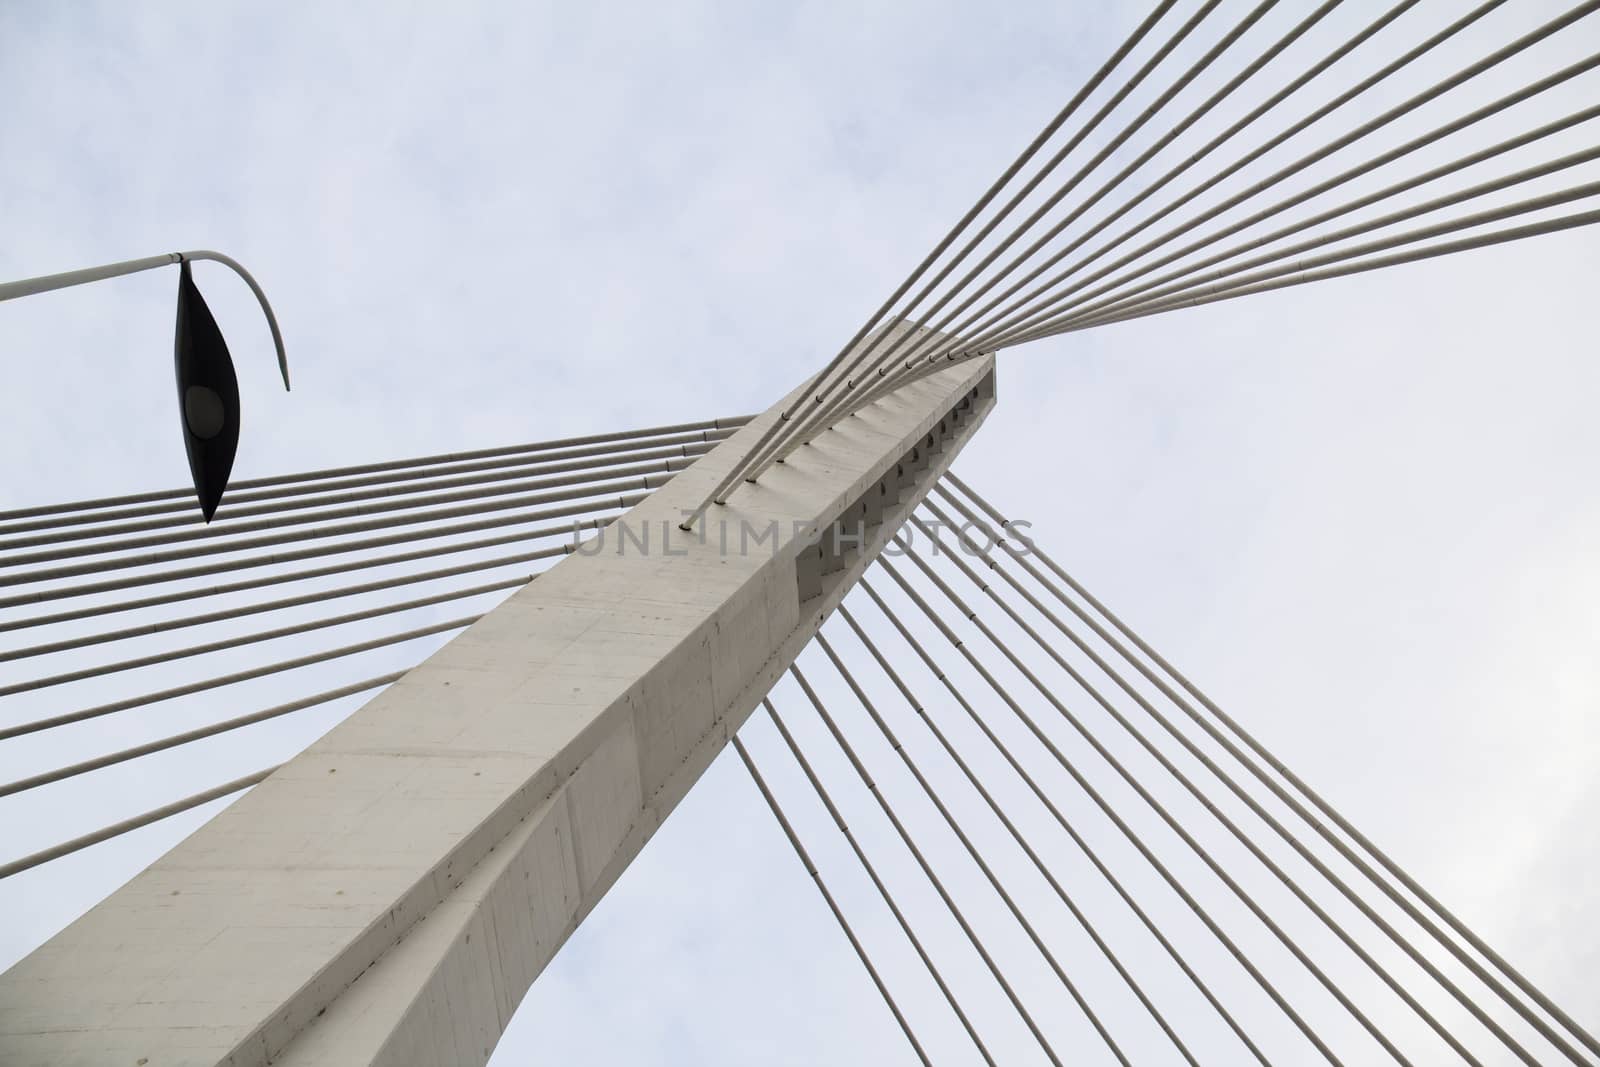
(1362, 514)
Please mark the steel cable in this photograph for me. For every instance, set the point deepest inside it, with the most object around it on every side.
(1228, 171)
(927, 334)
(793, 432)
(1132, 780)
(1022, 842)
(83, 714)
(1245, 839)
(67, 848)
(213, 540)
(719, 492)
(200, 733)
(584, 507)
(367, 468)
(260, 607)
(276, 633)
(1340, 265)
(1360, 170)
(872, 874)
(948, 350)
(1260, 751)
(1260, 110)
(1110, 813)
(320, 571)
(1050, 805)
(961, 835)
(928, 871)
(1196, 273)
(833, 906)
(616, 463)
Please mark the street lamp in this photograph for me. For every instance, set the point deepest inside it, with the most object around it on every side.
(208, 389)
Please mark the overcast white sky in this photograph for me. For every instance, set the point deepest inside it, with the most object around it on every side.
(1362, 515)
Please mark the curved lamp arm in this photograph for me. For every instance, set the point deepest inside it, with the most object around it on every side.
(30, 286)
(261, 298)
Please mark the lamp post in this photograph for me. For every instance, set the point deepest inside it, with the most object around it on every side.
(208, 389)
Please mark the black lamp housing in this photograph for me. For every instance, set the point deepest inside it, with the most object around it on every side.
(208, 395)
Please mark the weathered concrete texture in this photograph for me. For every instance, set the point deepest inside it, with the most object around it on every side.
(389, 895)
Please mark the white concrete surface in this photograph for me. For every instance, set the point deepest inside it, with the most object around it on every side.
(389, 895)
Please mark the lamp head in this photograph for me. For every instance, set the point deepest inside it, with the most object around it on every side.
(208, 395)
